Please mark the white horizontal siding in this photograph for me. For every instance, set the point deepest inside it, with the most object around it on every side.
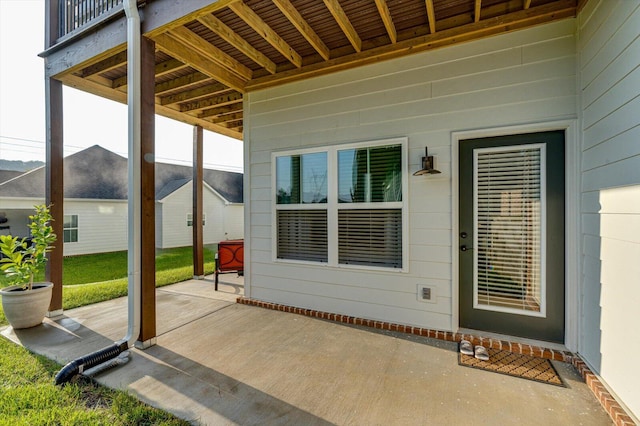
(102, 226)
(609, 66)
(223, 222)
(522, 77)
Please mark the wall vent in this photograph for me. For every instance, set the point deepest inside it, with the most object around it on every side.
(426, 294)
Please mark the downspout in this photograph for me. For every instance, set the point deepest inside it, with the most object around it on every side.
(81, 364)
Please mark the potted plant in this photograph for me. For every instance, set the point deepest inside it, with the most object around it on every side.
(25, 303)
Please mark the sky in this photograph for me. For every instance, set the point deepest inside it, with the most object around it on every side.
(88, 119)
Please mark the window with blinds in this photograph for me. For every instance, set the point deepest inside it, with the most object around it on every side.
(302, 235)
(342, 205)
(509, 213)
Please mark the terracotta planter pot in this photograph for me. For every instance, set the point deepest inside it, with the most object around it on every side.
(26, 308)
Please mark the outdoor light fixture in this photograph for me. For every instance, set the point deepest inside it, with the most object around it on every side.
(427, 165)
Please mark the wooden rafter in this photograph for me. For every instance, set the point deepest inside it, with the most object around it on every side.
(105, 65)
(252, 19)
(161, 69)
(209, 102)
(305, 29)
(184, 53)
(198, 92)
(181, 82)
(477, 10)
(431, 15)
(527, 4)
(209, 51)
(383, 10)
(220, 110)
(231, 37)
(344, 23)
(226, 118)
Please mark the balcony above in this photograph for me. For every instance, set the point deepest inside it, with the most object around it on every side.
(208, 57)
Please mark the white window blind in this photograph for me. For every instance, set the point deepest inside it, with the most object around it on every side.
(509, 215)
(370, 237)
(302, 235)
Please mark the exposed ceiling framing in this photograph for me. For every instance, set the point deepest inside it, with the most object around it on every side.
(207, 61)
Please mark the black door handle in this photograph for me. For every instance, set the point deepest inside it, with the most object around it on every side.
(465, 248)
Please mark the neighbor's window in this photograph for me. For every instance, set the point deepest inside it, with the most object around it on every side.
(190, 219)
(356, 188)
(70, 228)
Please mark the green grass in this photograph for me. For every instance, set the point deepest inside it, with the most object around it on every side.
(95, 278)
(29, 396)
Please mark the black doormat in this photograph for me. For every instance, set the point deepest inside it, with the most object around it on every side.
(516, 365)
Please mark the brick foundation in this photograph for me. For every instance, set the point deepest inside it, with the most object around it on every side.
(611, 406)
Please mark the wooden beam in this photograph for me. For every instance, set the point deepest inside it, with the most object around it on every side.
(301, 25)
(344, 23)
(383, 10)
(184, 53)
(487, 27)
(527, 4)
(147, 194)
(209, 102)
(198, 92)
(209, 51)
(227, 34)
(226, 118)
(431, 15)
(181, 82)
(477, 10)
(115, 61)
(252, 19)
(161, 69)
(54, 187)
(160, 17)
(197, 211)
(225, 109)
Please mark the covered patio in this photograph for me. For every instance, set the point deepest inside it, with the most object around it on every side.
(220, 362)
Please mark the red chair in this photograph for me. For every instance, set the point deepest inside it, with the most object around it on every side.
(230, 258)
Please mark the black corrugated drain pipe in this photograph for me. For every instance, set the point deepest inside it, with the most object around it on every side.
(79, 365)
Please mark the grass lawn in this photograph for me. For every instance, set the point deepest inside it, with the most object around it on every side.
(29, 397)
(98, 277)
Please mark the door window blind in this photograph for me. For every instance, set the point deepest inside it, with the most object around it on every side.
(509, 210)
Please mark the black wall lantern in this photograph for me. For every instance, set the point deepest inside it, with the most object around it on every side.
(427, 165)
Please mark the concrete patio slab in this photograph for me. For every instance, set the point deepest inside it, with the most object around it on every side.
(221, 363)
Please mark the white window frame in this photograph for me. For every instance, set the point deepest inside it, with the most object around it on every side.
(332, 206)
(77, 229)
(190, 219)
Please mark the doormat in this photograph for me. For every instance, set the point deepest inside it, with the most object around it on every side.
(516, 365)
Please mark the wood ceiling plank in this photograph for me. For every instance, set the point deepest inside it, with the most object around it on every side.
(225, 109)
(477, 10)
(161, 69)
(301, 25)
(431, 15)
(500, 24)
(105, 65)
(231, 37)
(343, 21)
(198, 92)
(252, 19)
(383, 10)
(184, 53)
(211, 52)
(225, 99)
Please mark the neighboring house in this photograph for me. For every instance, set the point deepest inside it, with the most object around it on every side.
(95, 207)
(530, 109)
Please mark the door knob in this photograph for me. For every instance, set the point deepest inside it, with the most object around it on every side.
(463, 235)
(465, 248)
